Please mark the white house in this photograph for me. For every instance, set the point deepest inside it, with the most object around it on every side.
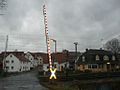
(16, 62)
(56, 65)
(35, 58)
(63, 65)
(39, 60)
(33, 62)
(45, 67)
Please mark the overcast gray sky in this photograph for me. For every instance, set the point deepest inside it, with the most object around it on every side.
(69, 21)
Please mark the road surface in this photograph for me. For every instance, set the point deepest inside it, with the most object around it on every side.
(26, 81)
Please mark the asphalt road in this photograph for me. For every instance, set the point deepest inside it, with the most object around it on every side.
(26, 81)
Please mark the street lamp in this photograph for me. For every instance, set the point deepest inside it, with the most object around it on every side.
(55, 47)
(76, 43)
(55, 44)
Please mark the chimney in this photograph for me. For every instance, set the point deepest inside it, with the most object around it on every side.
(86, 49)
(100, 48)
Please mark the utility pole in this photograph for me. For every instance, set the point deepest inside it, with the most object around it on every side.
(102, 45)
(47, 37)
(6, 46)
(53, 40)
(55, 44)
(52, 69)
(76, 44)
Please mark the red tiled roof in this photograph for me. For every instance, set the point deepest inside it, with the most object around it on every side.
(59, 56)
(43, 55)
(22, 58)
(19, 54)
(13, 52)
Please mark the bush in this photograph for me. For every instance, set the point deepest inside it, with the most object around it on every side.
(2, 73)
(41, 72)
(78, 72)
(88, 71)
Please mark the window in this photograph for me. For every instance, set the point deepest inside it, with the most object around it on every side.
(106, 57)
(7, 61)
(89, 66)
(97, 57)
(55, 65)
(7, 67)
(94, 66)
(113, 58)
(10, 55)
(12, 61)
(61, 67)
(47, 67)
(83, 58)
(65, 65)
(12, 67)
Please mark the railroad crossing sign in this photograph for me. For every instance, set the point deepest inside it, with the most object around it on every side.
(53, 71)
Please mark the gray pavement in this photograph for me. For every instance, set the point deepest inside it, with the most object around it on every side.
(27, 81)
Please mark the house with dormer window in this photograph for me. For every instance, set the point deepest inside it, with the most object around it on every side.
(15, 62)
(98, 60)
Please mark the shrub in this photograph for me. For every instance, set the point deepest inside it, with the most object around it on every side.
(88, 71)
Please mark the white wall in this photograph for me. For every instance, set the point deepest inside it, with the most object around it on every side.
(25, 66)
(63, 64)
(18, 66)
(57, 66)
(45, 67)
(31, 59)
(15, 64)
(40, 60)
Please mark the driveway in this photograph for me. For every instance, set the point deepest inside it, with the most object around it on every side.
(26, 81)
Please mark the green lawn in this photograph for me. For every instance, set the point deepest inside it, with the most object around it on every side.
(60, 85)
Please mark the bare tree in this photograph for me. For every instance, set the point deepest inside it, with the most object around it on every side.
(113, 45)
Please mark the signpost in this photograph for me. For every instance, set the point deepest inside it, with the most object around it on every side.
(52, 69)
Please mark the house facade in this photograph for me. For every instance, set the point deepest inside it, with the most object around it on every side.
(39, 61)
(60, 60)
(16, 62)
(1, 62)
(38, 58)
(31, 59)
(98, 61)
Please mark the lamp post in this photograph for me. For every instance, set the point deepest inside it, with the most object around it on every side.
(55, 44)
(6, 46)
(66, 59)
(55, 47)
(76, 43)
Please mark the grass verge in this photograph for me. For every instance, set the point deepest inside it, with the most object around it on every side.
(60, 85)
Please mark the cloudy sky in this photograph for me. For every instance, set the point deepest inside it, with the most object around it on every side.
(69, 21)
